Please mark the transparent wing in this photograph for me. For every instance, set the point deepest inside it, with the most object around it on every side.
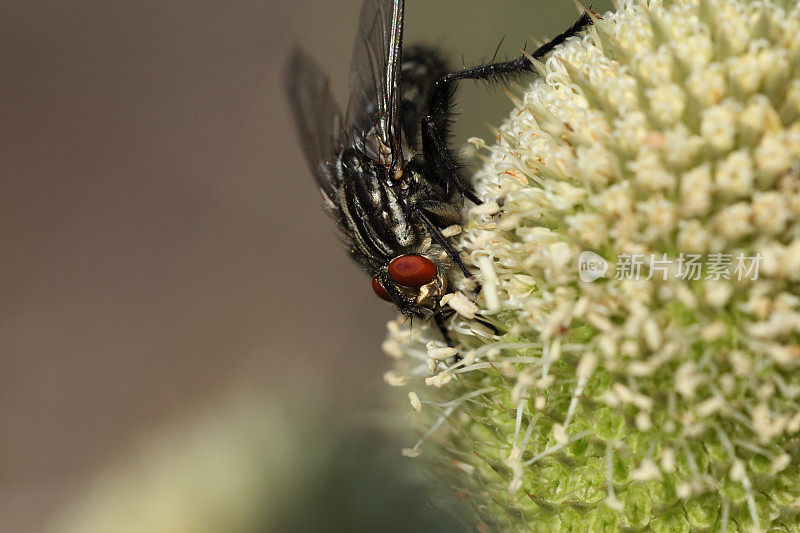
(373, 113)
(318, 119)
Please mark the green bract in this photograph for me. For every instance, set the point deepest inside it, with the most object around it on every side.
(647, 398)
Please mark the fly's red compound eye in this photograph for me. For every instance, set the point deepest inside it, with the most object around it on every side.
(412, 270)
(379, 290)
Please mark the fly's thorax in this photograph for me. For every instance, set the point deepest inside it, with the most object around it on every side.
(373, 211)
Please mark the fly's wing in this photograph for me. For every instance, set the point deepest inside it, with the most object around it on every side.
(318, 120)
(373, 113)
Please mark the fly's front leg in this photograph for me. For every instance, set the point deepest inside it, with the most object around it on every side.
(436, 124)
(497, 72)
(441, 162)
(439, 319)
(446, 214)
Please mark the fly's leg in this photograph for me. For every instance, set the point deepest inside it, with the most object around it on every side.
(440, 161)
(436, 124)
(446, 214)
(439, 318)
(497, 72)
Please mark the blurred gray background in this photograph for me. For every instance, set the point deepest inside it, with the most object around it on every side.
(162, 241)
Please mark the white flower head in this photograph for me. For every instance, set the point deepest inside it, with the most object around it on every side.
(668, 401)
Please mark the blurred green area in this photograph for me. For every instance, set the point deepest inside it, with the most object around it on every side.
(263, 466)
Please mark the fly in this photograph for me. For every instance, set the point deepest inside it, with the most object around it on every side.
(384, 169)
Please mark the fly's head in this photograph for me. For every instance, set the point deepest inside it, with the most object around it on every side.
(414, 282)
